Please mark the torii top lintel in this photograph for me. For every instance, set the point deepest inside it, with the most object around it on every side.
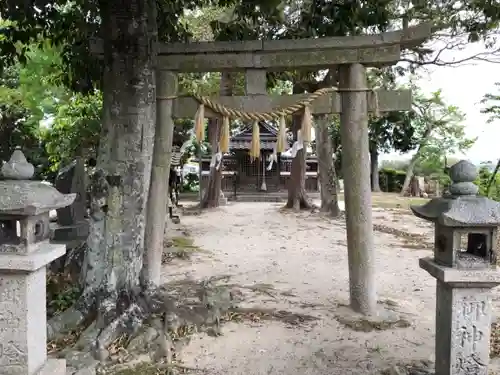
(276, 55)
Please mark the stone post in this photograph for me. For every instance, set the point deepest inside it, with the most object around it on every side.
(166, 83)
(73, 227)
(25, 251)
(464, 265)
(357, 196)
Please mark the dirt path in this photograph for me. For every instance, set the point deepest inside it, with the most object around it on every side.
(304, 258)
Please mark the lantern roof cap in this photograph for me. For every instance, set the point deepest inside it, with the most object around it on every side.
(21, 196)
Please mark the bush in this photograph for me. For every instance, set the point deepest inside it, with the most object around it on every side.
(482, 182)
(191, 182)
(391, 180)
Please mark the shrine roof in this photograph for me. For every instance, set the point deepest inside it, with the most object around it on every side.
(246, 145)
(243, 139)
(266, 130)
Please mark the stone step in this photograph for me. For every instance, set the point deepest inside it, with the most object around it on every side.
(257, 198)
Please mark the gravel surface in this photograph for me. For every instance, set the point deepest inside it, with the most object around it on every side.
(302, 259)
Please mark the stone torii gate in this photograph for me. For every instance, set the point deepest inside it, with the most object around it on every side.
(352, 54)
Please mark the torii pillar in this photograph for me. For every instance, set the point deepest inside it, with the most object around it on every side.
(357, 194)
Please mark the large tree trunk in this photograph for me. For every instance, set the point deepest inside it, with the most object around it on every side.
(297, 195)
(121, 185)
(414, 160)
(327, 174)
(119, 188)
(375, 181)
(212, 192)
(409, 174)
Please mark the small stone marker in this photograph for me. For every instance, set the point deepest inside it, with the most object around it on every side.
(222, 199)
(25, 251)
(73, 227)
(465, 273)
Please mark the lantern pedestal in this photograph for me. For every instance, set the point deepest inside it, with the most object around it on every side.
(464, 264)
(463, 318)
(25, 252)
(23, 327)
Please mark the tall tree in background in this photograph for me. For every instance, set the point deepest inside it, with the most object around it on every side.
(439, 130)
(458, 23)
(492, 178)
(306, 20)
(29, 95)
(491, 101)
(326, 166)
(13, 115)
(75, 129)
(212, 193)
(391, 131)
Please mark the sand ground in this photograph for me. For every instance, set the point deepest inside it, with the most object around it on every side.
(304, 257)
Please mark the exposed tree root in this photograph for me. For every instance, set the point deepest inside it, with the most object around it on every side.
(127, 323)
(156, 369)
(331, 210)
(155, 322)
(302, 205)
(300, 202)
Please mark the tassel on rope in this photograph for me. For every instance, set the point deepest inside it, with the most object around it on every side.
(255, 147)
(224, 136)
(199, 123)
(306, 124)
(281, 142)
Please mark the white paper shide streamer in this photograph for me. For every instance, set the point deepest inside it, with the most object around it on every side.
(216, 160)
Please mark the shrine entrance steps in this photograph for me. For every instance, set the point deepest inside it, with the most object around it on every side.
(249, 196)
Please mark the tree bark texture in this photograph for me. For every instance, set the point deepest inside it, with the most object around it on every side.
(120, 185)
(327, 174)
(158, 190)
(405, 190)
(358, 201)
(297, 195)
(212, 192)
(375, 180)
(414, 160)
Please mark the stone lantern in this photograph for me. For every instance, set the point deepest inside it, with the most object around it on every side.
(464, 264)
(25, 251)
